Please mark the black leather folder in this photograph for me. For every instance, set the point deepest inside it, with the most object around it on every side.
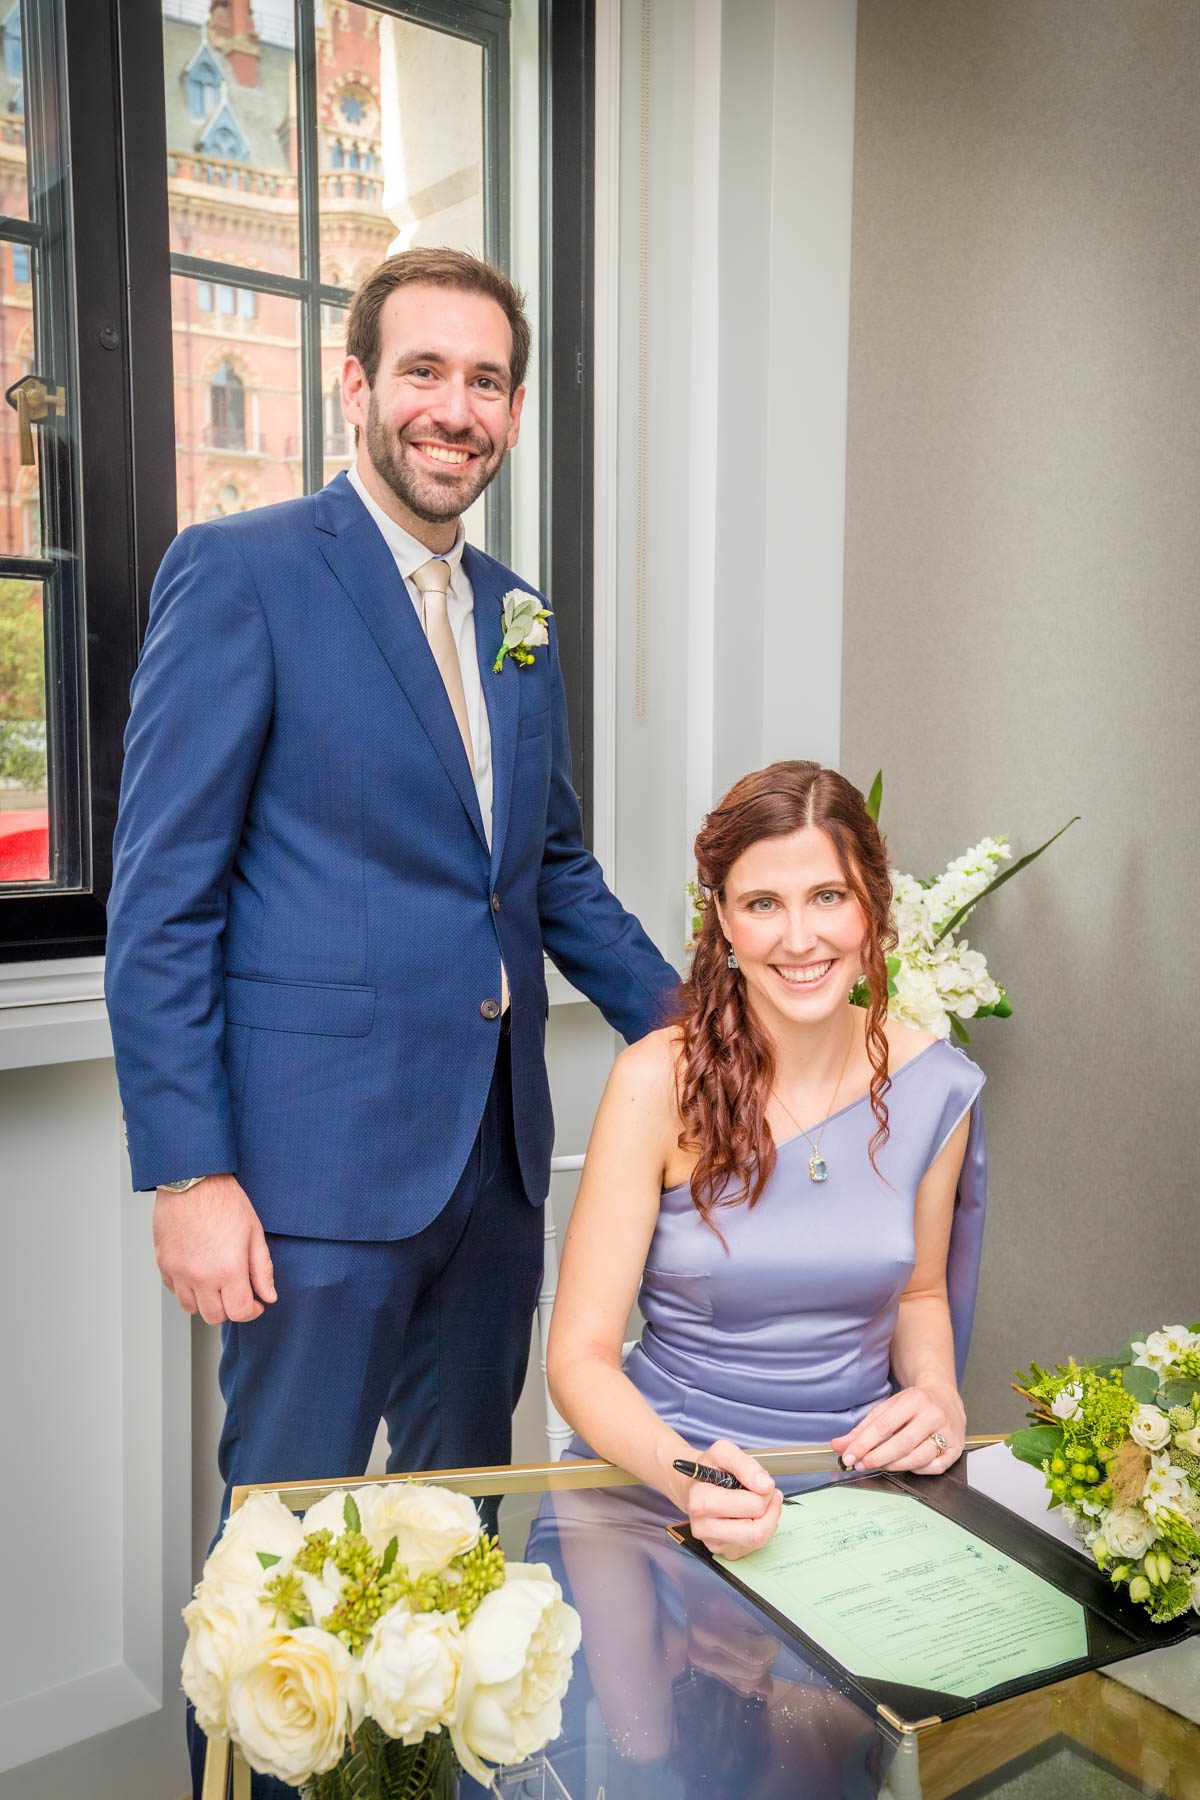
(1116, 1628)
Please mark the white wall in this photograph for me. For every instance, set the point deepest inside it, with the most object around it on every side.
(1023, 537)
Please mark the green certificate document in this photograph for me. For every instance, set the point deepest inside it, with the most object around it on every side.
(895, 1592)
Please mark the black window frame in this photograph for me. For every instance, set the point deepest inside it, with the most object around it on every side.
(126, 425)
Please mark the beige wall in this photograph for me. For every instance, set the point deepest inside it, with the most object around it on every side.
(1021, 641)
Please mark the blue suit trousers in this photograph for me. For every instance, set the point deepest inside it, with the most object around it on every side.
(430, 1333)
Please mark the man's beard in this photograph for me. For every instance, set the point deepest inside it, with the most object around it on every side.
(423, 494)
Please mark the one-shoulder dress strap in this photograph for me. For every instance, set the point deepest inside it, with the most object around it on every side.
(963, 1081)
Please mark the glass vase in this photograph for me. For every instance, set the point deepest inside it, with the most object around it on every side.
(380, 1768)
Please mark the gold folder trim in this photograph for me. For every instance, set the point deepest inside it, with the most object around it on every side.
(907, 1726)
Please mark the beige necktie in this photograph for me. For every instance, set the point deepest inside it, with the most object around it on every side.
(431, 581)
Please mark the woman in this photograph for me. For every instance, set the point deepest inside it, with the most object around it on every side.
(779, 1170)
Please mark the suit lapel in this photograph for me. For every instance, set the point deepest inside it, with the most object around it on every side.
(356, 553)
(502, 692)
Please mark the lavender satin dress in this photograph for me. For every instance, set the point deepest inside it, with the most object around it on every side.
(784, 1338)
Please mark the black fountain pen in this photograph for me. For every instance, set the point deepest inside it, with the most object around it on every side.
(705, 1472)
(721, 1478)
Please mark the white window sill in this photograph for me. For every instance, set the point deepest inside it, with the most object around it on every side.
(53, 1012)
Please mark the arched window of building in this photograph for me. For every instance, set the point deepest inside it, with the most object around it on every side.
(227, 402)
(203, 84)
(204, 296)
(20, 265)
(337, 157)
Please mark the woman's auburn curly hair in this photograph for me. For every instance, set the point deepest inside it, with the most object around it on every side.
(726, 1064)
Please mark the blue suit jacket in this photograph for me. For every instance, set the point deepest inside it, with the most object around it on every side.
(305, 917)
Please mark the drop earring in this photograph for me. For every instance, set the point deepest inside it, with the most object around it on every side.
(731, 961)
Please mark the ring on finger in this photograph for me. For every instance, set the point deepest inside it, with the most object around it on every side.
(941, 1444)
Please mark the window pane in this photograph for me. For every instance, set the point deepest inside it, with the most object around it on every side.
(14, 184)
(20, 493)
(400, 123)
(231, 135)
(338, 437)
(238, 432)
(24, 807)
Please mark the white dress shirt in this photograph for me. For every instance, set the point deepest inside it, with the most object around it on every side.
(408, 555)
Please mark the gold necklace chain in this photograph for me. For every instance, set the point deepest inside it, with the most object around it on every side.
(818, 1168)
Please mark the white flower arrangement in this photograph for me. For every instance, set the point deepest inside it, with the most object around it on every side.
(935, 980)
(1118, 1442)
(380, 1641)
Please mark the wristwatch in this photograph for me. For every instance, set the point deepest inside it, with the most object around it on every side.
(181, 1187)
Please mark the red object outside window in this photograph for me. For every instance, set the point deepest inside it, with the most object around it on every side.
(25, 846)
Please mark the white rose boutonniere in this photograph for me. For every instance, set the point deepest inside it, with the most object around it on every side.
(525, 628)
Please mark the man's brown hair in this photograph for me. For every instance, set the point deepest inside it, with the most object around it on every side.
(435, 268)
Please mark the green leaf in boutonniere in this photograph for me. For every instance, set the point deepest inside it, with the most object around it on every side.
(525, 628)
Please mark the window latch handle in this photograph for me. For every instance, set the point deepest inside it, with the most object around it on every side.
(33, 399)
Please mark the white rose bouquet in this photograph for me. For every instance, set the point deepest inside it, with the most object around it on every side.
(375, 1646)
(1119, 1444)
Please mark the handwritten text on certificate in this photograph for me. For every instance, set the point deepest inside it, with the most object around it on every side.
(895, 1592)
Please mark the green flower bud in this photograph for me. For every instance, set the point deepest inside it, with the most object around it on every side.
(1100, 1551)
(1139, 1588)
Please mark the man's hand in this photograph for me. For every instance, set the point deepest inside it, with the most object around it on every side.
(211, 1251)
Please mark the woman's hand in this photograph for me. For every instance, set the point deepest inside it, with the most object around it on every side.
(902, 1431)
(733, 1521)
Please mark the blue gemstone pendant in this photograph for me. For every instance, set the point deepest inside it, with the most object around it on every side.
(818, 1169)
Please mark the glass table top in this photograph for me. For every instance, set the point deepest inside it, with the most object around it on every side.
(683, 1687)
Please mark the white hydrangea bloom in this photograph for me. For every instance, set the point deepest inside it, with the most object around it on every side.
(934, 979)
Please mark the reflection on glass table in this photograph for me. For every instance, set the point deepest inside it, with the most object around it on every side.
(683, 1687)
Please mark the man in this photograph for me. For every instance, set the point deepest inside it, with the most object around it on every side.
(345, 837)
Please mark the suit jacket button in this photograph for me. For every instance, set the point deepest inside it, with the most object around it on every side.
(495, 903)
(490, 1009)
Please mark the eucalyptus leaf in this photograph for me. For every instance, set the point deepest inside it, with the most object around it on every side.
(1034, 1443)
(1179, 1392)
(1007, 874)
(1142, 1384)
(875, 797)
